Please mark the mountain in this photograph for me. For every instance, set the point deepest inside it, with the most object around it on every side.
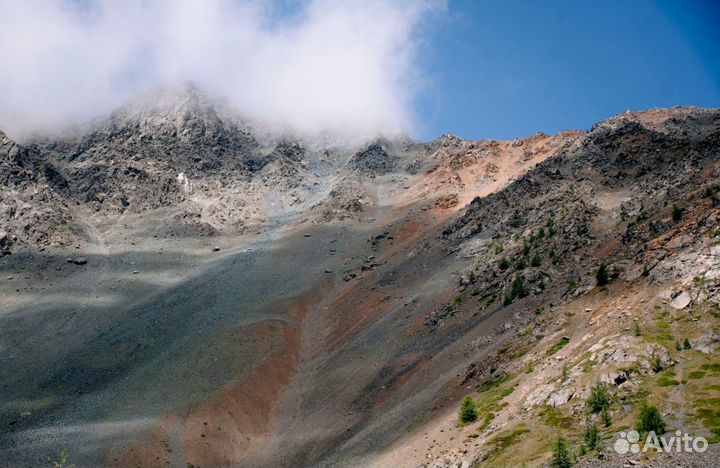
(185, 287)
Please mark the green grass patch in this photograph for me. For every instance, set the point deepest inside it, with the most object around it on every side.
(663, 325)
(584, 362)
(554, 417)
(585, 356)
(667, 379)
(711, 368)
(490, 400)
(708, 410)
(703, 391)
(486, 422)
(504, 441)
(666, 340)
(558, 346)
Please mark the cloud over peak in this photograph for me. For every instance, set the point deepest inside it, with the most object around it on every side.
(341, 66)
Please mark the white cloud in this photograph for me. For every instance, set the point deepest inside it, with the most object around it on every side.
(344, 65)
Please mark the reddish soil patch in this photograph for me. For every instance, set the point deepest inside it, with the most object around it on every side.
(219, 430)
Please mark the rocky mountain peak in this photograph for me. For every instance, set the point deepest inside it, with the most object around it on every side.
(182, 111)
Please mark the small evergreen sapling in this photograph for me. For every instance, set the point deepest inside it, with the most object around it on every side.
(600, 398)
(650, 419)
(561, 455)
(592, 435)
(468, 413)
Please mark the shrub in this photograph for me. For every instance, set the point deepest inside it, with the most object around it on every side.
(686, 344)
(582, 451)
(650, 419)
(551, 226)
(472, 278)
(508, 300)
(602, 275)
(600, 398)
(518, 290)
(535, 261)
(655, 363)
(605, 416)
(677, 213)
(678, 346)
(637, 330)
(553, 257)
(518, 287)
(468, 413)
(520, 264)
(526, 248)
(646, 271)
(504, 264)
(561, 455)
(498, 248)
(64, 460)
(592, 435)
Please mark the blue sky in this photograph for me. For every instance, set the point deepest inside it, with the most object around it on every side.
(513, 68)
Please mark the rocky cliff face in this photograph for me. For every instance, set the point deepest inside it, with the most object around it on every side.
(34, 200)
(616, 187)
(305, 303)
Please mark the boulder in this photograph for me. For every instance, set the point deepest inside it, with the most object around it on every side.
(681, 301)
(708, 343)
(561, 397)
